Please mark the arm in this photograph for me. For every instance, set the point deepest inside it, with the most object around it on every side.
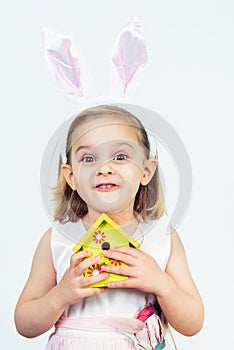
(179, 297)
(42, 301)
(174, 288)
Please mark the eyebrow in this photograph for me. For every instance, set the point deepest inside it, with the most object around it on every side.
(82, 147)
(88, 147)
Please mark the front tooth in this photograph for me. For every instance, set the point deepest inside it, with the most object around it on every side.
(104, 186)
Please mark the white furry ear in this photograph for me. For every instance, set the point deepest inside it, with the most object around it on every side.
(62, 58)
(129, 52)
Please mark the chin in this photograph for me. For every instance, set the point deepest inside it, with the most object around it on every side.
(113, 202)
(110, 208)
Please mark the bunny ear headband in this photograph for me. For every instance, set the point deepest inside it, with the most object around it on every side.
(129, 57)
(63, 57)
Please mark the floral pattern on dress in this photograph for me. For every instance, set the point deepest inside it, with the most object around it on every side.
(99, 237)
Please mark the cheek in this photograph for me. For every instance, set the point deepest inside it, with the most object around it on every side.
(131, 180)
(82, 178)
(77, 174)
(134, 171)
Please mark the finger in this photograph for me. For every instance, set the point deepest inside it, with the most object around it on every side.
(78, 257)
(84, 264)
(129, 283)
(119, 270)
(120, 256)
(94, 279)
(126, 250)
(93, 291)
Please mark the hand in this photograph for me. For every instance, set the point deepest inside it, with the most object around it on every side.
(143, 271)
(73, 285)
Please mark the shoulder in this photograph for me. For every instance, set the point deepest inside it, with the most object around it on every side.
(46, 236)
(177, 248)
(45, 240)
(43, 256)
(177, 266)
(157, 240)
(177, 262)
(176, 243)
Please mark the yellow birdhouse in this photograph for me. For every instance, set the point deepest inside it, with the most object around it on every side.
(103, 235)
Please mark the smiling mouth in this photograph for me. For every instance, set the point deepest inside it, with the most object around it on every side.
(106, 187)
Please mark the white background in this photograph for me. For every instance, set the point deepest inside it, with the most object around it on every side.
(189, 81)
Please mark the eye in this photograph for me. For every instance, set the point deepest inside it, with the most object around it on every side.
(88, 159)
(120, 156)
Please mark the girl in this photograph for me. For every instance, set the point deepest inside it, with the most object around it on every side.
(109, 169)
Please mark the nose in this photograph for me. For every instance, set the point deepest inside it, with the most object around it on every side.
(105, 169)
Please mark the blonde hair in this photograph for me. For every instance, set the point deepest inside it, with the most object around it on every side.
(149, 200)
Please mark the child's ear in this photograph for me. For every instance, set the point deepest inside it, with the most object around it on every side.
(150, 166)
(68, 174)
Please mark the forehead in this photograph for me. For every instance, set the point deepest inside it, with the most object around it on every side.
(104, 129)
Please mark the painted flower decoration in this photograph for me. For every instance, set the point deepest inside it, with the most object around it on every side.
(94, 270)
(115, 262)
(99, 237)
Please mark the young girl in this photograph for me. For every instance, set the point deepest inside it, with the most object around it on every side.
(109, 169)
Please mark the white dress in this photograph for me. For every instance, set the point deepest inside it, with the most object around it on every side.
(108, 320)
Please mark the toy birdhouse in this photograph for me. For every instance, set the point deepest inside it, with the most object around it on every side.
(103, 235)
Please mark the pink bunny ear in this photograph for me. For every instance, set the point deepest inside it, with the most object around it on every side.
(129, 53)
(63, 62)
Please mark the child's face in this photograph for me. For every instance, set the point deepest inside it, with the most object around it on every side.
(108, 164)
